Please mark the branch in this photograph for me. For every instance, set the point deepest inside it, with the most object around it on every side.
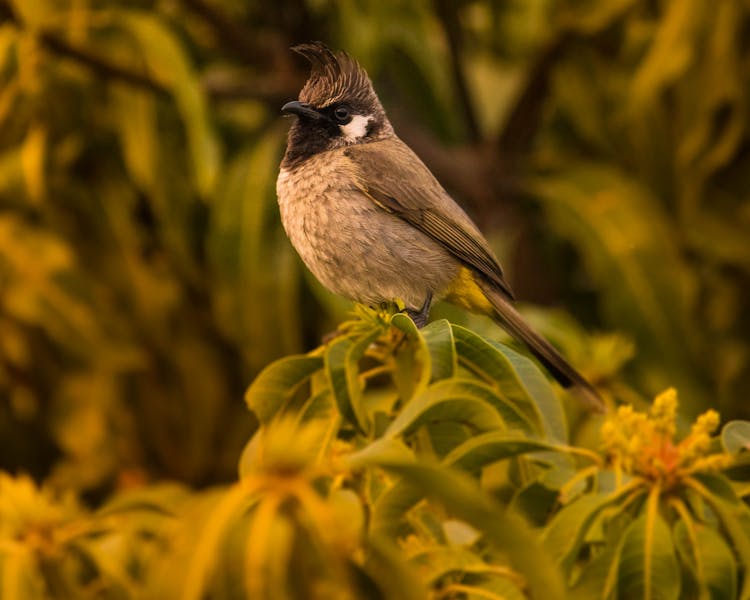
(232, 36)
(447, 11)
(100, 66)
(525, 117)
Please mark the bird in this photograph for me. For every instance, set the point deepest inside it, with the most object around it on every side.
(373, 224)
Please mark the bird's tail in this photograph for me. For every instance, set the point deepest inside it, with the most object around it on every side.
(553, 361)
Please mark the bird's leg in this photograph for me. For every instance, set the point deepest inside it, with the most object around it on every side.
(420, 316)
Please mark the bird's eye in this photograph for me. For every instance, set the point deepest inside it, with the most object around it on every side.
(342, 114)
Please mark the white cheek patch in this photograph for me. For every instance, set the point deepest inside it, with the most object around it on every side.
(356, 128)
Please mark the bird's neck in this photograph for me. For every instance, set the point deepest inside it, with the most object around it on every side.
(302, 143)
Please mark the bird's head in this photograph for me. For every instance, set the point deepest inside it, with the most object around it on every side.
(336, 107)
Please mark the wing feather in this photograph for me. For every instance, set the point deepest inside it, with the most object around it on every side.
(397, 181)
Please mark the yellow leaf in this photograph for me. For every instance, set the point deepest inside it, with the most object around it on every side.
(201, 562)
(8, 35)
(29, 55)
(19, 577)
(33, 153)
(671, 53)
(37, 14)
(135, 113)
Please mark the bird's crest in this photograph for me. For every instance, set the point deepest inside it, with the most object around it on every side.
(335, 76)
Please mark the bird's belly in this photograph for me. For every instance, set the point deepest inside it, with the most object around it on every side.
(358, 250)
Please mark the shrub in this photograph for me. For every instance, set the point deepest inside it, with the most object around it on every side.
(393, 462)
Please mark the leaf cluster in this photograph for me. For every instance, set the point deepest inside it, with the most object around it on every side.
(396, 463)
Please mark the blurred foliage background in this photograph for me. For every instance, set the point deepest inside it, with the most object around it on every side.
(144, 278)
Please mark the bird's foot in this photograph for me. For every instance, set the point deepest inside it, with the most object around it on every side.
(421, 315)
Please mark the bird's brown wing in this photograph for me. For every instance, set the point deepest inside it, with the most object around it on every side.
(395, 179)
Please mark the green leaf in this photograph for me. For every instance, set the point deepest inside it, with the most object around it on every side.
(490, 447)
(317, 406)
(718, 486)
(459, 400)
(648, 567)
(709, 559)
(438, 438)
(409, 360)
(342, 369)
(277, 383)
(510, 372)
(541, 392)
(390, 507)
(461, 497)
(735, 436)
(439, 560)
(494, 588)
(395, 577)
(438, 336)
(598, 577)
(566, 532)
(383, 450)
(733, 515)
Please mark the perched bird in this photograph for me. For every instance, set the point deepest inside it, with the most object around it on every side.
(373, 224)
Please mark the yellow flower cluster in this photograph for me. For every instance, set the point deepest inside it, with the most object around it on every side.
(643, 444)
(285, 448)
(365, 317)
(32, 514)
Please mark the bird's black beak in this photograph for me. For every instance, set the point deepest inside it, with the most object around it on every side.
(301, 109)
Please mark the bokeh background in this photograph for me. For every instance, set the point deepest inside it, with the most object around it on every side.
(602, 145)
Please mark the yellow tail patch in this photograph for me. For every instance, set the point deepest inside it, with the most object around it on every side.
(466, 293)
